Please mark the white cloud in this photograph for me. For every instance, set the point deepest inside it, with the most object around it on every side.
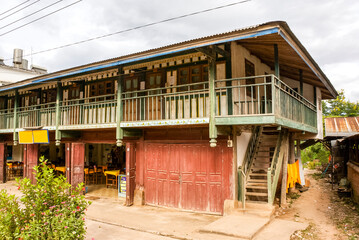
(328, 29)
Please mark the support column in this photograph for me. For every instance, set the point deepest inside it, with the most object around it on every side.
(2, 162)
(16, 105)
(32, 160)
(77, 163)
(283, 194)
(58, 113)
(119, 130)
(130, 172)
(212, 102)
(227, 48)
(276, 61)
(68, 161)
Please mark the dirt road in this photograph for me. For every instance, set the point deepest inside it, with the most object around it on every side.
(321, 208)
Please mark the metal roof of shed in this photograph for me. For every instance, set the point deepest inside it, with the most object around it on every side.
(341, 126)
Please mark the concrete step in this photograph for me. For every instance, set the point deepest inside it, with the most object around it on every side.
(257, 180)
(257, 194)
(258, 174)
(263, 187)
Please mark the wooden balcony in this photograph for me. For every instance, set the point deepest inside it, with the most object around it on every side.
(267, 101)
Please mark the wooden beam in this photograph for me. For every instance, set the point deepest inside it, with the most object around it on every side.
(224, 52)
(209, 52)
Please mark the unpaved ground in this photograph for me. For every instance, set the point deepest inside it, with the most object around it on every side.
(328, 215)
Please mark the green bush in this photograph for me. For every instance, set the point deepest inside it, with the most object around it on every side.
(316, 151)
(50, 209)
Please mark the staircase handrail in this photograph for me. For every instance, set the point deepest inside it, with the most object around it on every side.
(276, 165)
(251, 149)
(247, 162)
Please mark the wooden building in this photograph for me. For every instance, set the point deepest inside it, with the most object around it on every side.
(202, 121)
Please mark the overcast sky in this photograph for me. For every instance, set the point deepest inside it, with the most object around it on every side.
(329, 29)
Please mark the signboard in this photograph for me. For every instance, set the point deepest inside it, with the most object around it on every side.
(25, 137)
(122, 185)
(34, 136)
(41, 136)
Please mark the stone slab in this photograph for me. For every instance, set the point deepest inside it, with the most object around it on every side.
(241, 226)
(280, 229)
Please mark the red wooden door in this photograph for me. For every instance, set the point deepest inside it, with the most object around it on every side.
(3, 162)
(77, 163)
(130, 172)
(32, 152)
(188, 176)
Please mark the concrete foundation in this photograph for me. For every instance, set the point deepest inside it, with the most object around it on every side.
(139, 198)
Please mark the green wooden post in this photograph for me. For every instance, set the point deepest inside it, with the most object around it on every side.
(227, 48)
(273, 85)
(301, 81)
(16, 105)
(276, 61)
(212, 101)
(119, 130)
(269, 185)
(58, 114)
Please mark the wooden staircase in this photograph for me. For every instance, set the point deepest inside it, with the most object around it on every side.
(256, 183)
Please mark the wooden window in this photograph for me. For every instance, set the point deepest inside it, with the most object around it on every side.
(49, 96)
(101, 88)
(74, 92)
(131, 84)
(193, 74)
(154, 80)
(250, 71)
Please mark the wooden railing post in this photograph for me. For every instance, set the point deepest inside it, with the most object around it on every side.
(119, 113)
(58, 114)
(16, 105)
(273, 95)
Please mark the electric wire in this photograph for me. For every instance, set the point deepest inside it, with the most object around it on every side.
(31, 14)
(40, 18)
(20, 9)
(14, 7)
(136, 28)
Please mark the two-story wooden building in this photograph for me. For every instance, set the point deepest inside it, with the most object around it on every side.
(202, 121)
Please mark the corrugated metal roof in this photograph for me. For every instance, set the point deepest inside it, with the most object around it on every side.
(341, 126)
(278, 27)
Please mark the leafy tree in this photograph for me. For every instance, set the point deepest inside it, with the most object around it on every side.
(50, 209)
(340, 107)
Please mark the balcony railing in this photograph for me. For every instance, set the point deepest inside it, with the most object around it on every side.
(234, 99)
(86, 111)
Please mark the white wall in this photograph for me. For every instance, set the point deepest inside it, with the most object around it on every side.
(8, 75)
(242, 143)
(319, 115)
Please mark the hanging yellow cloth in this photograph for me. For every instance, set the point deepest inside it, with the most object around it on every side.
(293, 174)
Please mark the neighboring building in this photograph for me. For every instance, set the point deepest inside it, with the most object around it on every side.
(343, 134)
(206, 122)
(19, 71)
